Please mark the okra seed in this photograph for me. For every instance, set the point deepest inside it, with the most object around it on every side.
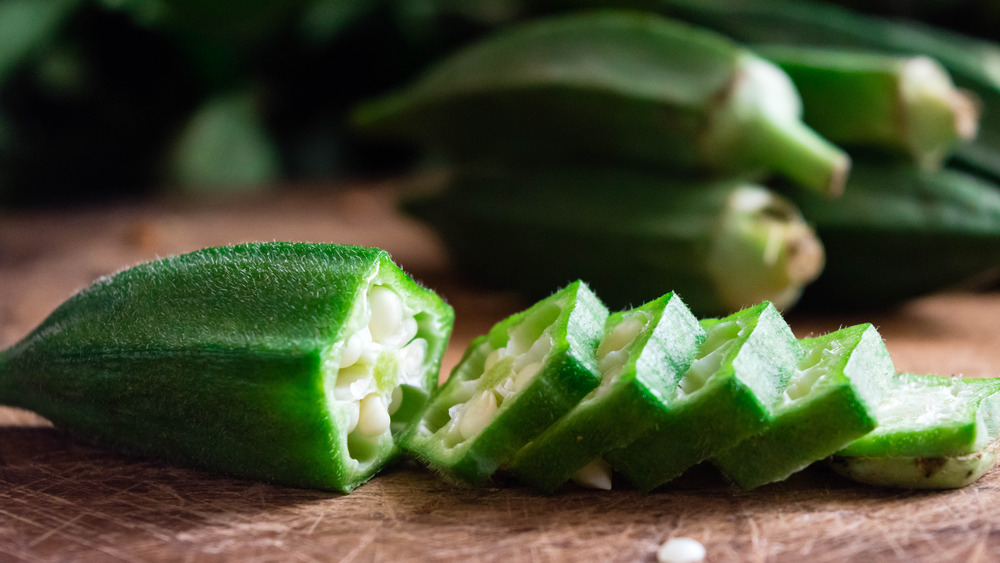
(681, 550)
(373, 417)
(387, 312)
(395, 400)
(412, 356)
(621, 336)
(353, 383)
(355, 345)
(492, 359)
(524, 376)
(477, 414)
(594, 475)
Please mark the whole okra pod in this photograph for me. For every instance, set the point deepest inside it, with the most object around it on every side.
(934, 432)
(906, 105)
(722, 244)
(611, 87)
(293, 363)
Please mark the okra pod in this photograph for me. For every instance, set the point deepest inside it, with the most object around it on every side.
(291, 363)
(971, 62)
(830, 401)
(906, 105)
(722, 245)
(943, 229)
(934, 432)
(611, 87)
(642, 356)
(724, 397)
(512, 383)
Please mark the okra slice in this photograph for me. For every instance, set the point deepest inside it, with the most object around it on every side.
(642, 356)
(512, 383)
(934, 432)
(292, 363)
(725, 396)
(906, 105)
(830, 401)
(613, 87)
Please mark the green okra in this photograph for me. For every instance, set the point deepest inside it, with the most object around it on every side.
(293, 363)
(934, 432)
(642, 356)
(724, 397)
(907, 105)
(611, 87)
(972, 63)
(830, 401)
(512, 383)
(943, 230)
(532, 229)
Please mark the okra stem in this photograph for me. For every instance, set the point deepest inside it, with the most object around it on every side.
(797, 152)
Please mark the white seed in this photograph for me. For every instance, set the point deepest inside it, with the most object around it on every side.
(354, 346)
(477, 414)
(352, 410)
(534, 354)
(493, 358)
(387, 312)
(681, 550)
(395, 400)
(594, 475)
(411, 360)
(621, 336)
(373, 418)
(353, 383)
(524, 376)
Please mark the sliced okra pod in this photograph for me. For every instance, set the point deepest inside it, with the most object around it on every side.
(614, 87)
(642, 356)
(934, 432)
(830, 401)
(291, 363)
(907, 105)
(511, 384)
(724, 397)
(690, 236)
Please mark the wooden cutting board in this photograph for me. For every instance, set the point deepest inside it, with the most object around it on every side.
(63, 499)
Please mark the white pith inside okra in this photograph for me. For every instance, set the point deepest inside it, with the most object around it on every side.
(811, 371)
(369, 368)
(506, 371)
(612, 355)
(718, 341)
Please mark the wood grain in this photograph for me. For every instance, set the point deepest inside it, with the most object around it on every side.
(62, 499)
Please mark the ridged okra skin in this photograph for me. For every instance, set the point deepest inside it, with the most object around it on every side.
(512, 383)
(231, 359)
(943, 229)
(611, 87)
(903, 105)
(970, 61)
(642, 356)
(723, 398)
(934, 432)
(531, 229)
(830, 401)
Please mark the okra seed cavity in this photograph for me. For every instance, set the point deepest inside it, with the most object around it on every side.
(811, 370)
(477, 414)
(710, 356)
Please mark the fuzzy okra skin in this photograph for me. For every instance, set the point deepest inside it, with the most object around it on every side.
(512, 383)
(934, 432)
(291, 363)
(642, 356)
(906, 105)
(614, 87)
(724, 397)
(531, 229)
(829, 401)
(943, 229)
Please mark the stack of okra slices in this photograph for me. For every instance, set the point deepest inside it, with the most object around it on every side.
(565, 391)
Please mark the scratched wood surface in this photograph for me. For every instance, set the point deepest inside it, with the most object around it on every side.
(65, 500)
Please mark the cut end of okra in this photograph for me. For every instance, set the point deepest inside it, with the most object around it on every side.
(764, 238)
(934, 432)
(829, 401)
(937, 115)
(512, 383)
